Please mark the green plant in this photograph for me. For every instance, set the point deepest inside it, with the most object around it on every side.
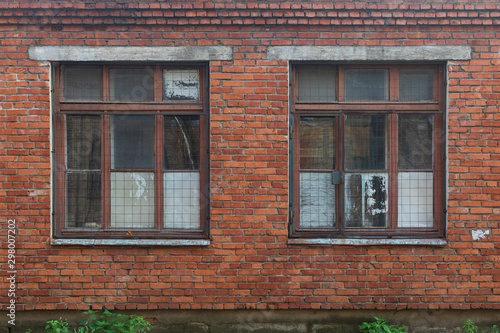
(379, 325)
(105, 322)
(470, 327)
(108, 322)
(57, 326)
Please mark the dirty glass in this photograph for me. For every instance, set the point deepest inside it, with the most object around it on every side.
(366, 84)
(181, 136)
(416, 84)
(181, 85)
(366, 200)
(82, 82)
(132, 200)
(181, 192)
(83, 142)
(366, 142)
(415, 142)
(317, 143)
(415, 199)
(83, 200)
(317, 200)
(317, 83)
(131, 84)
(132, 142)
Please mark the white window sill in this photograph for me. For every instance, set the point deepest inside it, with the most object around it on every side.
(367, 241)
(131, 242)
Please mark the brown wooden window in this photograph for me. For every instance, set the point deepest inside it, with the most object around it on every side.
(368, 151)
(130, 151)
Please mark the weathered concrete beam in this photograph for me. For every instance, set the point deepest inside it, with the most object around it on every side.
(130, 53)
(369, 53)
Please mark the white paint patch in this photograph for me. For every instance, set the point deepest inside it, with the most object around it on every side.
(479, 234)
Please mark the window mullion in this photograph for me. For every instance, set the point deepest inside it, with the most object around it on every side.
(393, 171)
(158, 87)
(158, 149)
(341, 84)
(340, 166)
(394, 84)
(105, 83)
(106, 171)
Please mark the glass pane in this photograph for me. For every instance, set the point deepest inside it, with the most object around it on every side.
(83, 200)
(181, 137)
(131, 84)
(181, 200)
(83, 83)
(415, 197)
(181, 85)
(366, 142)
(132, 200)
(415, 142)
(317, 83)
(366, 84)
(83, 137)
(366, 200)
(416, 85)
(317, 143)
(317, 200)
(132, 142)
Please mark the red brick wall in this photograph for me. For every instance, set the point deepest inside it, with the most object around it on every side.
(249, 263)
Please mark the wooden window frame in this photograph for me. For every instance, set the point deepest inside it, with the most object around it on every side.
(391, 108)
(105, 108)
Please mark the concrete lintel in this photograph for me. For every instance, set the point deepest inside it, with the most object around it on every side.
(130, 53)
(367, 241)
(132, 242)
(369, 53)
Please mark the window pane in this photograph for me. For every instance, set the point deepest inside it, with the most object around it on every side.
(181, 200)
(131, 84)
(83, 200)
(317, 143)
(415, 198)
(132, 200)
(415, 142)
(416, 85)
(181, 85)
(317, 200)
(366, 142)
(132, 142)
(366, 200)
(317, 83)
(366, 84)
(181, 142)
(83, 83)
(83, 137)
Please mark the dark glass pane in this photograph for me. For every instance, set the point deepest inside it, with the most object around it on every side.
(181, 142)
(83, 200)
(181, 85)
(83, 83)
(317, 143)
(132, 142)
(131, 84)
(317, 83)
(83, 137)
(366, 142)
(416, 85)
(366, 200)
(366, 84)
(415, 142)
